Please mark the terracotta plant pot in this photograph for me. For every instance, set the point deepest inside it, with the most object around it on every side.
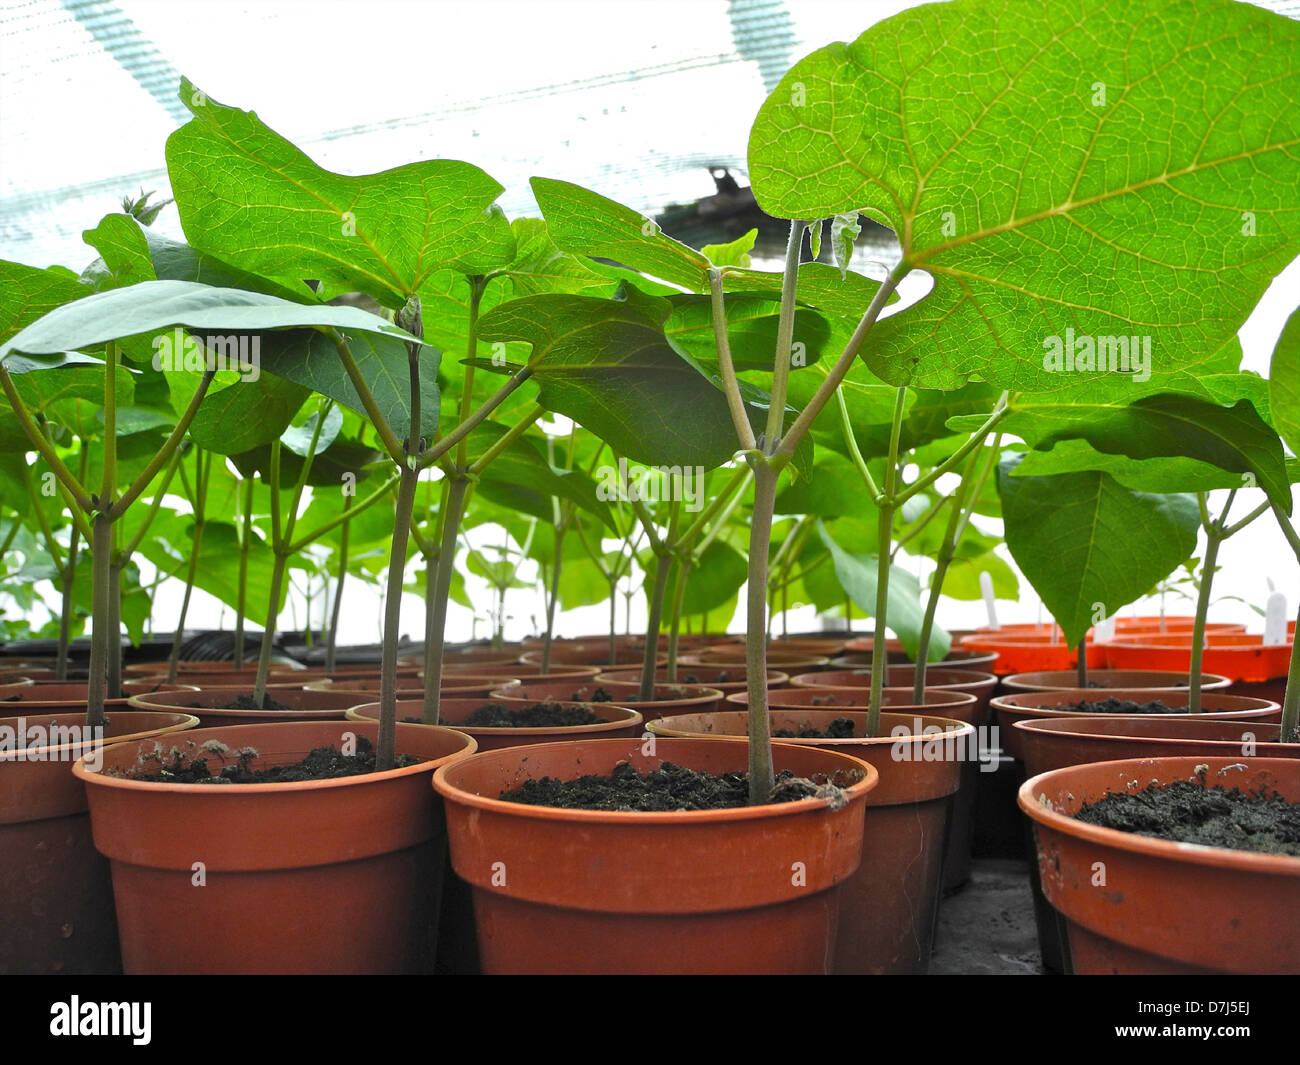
(889, 906)
(592, 655)
(481, 656)
(56, 898)
(951, 703)
(189, 668)
(979, 684)
(858, 655)
(1056, 743)
(669, 698)
(209, 705)
(1255, 669)
(616, 721)
(1028, 653)
(1034, 705)
(747, 890)
(1134, 679)
(330, 876)
(727, 679)
(734, 655)
(516, 671)
(1165, 908)
(69, 697)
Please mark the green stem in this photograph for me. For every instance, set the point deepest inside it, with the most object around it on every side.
(332, 642)
(675, 621)
(1291, 699)
(167, 449)
(435, 638)
(245, 544)
(663, 563)
(1212, 541)
(43, 446)
(761, 776)
(386, 748)
(785, 332)
(726, 368)
(101, 551)
(885, 532)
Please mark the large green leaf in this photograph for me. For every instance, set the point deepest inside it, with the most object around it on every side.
(1284, 384)
(751, 331)
(252, 198)
(1233, 438)
(586, 223)
(715, 579)
(1173, 474)
(155, 305)
(1079, 164)
(170, 543)
(246, 414)
(1088, 545)
(607, 365)
(904, 611)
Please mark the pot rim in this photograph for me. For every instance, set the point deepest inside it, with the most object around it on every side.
(453, 793)
(180, 725)
(80, 771)
(1166, 850)
(632, 720)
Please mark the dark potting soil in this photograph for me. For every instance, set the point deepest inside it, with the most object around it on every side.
(691, 678)
(244, 702)
(839, 729)
(1213, 817)
(600, 695)
(323, 763)
(670, 787)
(539, 715)
(1118, 706)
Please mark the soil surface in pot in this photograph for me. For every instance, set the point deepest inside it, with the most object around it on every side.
(1119, 706)
(323, 763)
(1211, 817)
(839, 729)
(671, 787)
(539, 715)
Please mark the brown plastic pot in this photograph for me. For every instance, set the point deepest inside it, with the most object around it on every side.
(1165, 908)
(209, 705)
(1059, 742)
(889, 906)
(727, 679)
(957, 658)
(979, 684)
(734, 655)
(1134, 679)
(744, 891)
(1034, 705)
(517, 671)
(669, 698)
(596, 654)
(69, 697)
(188, 668)
(1255, 669)
(56, 898)
(952, 703)
(1028, 653)
(616, 721)
(328, 876)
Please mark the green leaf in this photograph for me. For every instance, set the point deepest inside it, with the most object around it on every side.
(752, 323)
(835, 489)
(155, 305)
(1284, 384)
(1159, 475)
(1233, 438)
(170, 542)
(27, 294)
(252, 198)
(607, 365)
(905, 613)
(586, 223)
(298, 438)
(311, 360)
(1088, 545)
(714, 580)
(844, 231)
(246, 414)
(1044, 191)
(735, 253)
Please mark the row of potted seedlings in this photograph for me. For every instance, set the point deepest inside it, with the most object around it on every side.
(416, 346)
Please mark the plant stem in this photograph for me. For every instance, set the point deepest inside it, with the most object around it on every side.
(885, 532)
(679, 596)
(277, 580)
(386, 748)
(785, 332)
(101, 550)
(761, 776)
(726, 368)
(1081, 663)
(435, 638)
(1291, 698)
(245, 544)
(332, 642)
(663, 563)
